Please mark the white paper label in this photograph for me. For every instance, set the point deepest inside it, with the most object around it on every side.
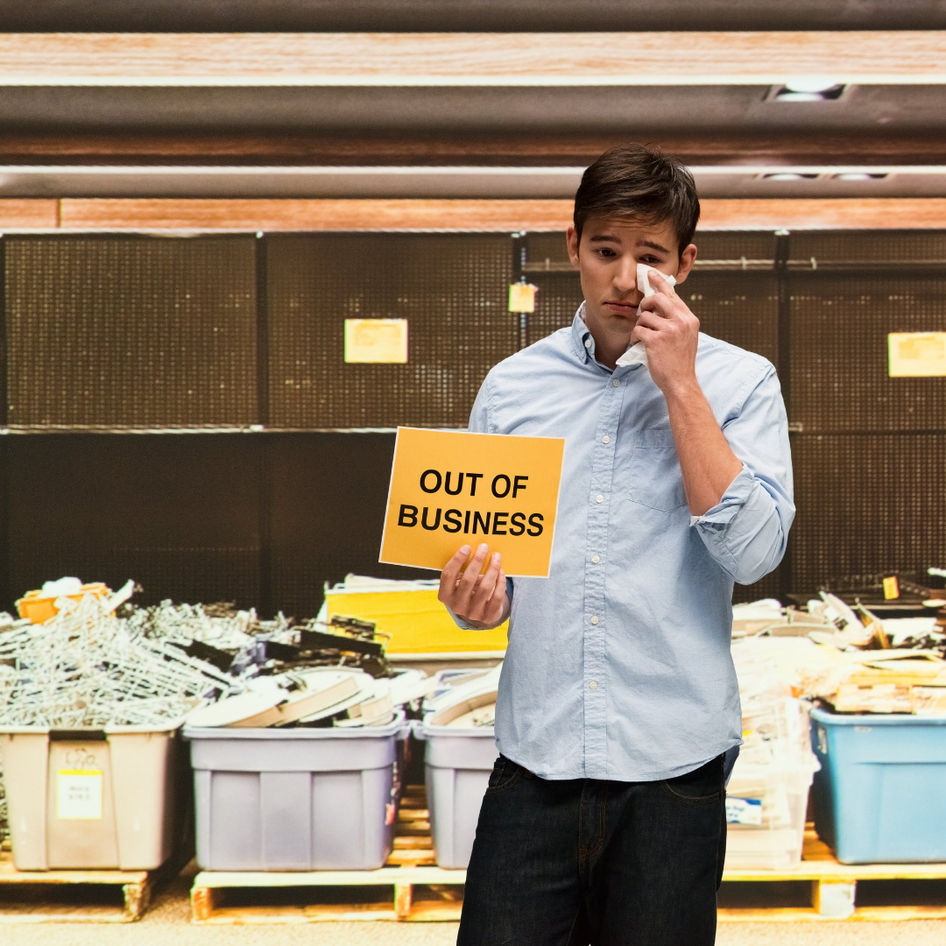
(743, 810)
(79, 795)
(376, 341)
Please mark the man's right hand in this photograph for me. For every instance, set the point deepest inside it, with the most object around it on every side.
(479, 600)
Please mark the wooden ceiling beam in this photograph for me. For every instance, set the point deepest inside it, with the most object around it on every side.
(470, 59)
(817, 148)
(30, 214)
(502, 215)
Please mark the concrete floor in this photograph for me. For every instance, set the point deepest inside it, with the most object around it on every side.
(167, 923)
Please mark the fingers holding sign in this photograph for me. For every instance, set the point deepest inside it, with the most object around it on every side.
(478, 598)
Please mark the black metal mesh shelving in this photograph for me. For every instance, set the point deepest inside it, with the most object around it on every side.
(451, 289)
(106, 331)
(137, 333)
(840, 323)
(867, 505)
(178, 514)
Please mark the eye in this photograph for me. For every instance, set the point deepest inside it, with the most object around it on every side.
(606, 253)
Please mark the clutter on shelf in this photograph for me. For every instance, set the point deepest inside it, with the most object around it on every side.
(861, 663)
(83, 658)
(767, 795)
(86, 668)
(86, 657)
(416, 624)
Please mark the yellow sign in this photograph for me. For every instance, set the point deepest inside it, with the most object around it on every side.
(891, 588)
(376, 341)
(917, 354)
(522, 297)
(452, 488)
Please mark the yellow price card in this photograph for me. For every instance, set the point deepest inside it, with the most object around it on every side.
(376, 341)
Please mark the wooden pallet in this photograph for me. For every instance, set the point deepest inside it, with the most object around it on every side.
(414, 886)
(411, 887)
(831, 887)
(76, 896)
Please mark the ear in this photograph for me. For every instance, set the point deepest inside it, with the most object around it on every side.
(687, 259)
(571, 238)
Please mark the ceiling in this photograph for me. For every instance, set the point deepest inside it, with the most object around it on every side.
(129, 139)
(466, 15)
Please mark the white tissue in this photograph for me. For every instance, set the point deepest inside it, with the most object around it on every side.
(61, 588)
(643, 279)
(637, 353)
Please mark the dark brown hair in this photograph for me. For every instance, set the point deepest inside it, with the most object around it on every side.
(637, 181)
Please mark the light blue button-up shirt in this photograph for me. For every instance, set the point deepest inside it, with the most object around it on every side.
(619, 665)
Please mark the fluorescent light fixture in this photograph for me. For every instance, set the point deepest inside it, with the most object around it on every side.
(813, 84)
(860, 176)
(804, 91)
(789, 176)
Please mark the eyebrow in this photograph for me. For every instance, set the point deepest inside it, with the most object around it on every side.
(653, 246)
(612, 239)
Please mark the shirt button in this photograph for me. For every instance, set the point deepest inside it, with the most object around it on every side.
(594, 618)
(595, 559)
(592, 685)
(615, 383)
(606, 439)
(587, 343)
(599, 498)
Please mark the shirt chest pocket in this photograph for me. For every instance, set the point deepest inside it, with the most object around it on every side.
(655, 476)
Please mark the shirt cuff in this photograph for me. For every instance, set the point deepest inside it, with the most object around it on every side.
(460, 623)
(732, 501)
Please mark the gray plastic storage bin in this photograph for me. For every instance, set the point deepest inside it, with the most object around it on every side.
(88, 798)
(295, 799)
(458, 763)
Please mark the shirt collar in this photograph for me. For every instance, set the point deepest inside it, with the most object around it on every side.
(582, 340)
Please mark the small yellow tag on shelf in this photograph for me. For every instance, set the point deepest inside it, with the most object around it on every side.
(917, 354)
(522, 297)
(891, 587)
(376, 341)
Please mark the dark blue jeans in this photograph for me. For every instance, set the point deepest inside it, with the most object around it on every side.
(578, 862)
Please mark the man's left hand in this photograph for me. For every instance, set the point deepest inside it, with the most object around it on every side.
(670, 333)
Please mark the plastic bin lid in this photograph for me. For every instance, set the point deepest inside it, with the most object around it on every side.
(111, 729)
(457, 720)
(875, 719)
(302, 734)
(245, 709)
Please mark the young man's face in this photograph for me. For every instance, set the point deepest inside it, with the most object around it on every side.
(607, 258)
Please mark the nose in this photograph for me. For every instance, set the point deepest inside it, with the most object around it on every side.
(624, 279)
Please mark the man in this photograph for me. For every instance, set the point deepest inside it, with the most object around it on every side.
(604, 820)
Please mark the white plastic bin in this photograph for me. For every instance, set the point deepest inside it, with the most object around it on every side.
(765, 808)
(457, 763)
(295, 799)
(91, 798)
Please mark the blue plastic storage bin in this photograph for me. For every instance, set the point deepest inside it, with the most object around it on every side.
(879, 797)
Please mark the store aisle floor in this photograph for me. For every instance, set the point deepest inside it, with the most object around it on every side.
(167, 923)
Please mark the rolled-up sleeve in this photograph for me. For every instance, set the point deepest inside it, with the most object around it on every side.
(746, 532)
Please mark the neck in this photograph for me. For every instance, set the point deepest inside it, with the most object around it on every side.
(608, 350)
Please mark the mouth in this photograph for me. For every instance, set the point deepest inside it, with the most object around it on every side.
(622, 308)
